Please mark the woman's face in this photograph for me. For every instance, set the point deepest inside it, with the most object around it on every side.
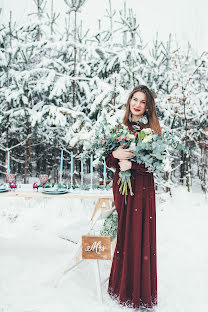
(138, 105)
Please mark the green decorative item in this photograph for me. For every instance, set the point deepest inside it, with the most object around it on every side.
(47, 186)
(110, 226)
(61, 186)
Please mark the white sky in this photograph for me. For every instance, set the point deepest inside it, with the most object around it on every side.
(185, 19)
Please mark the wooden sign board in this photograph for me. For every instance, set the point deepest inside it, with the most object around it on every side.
(96, 247)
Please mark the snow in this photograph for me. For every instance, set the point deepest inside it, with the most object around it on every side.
(33, 255)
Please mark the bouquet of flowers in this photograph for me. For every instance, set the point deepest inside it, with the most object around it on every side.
(148, 147)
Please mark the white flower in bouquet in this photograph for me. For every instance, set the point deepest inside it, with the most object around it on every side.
(130, 136)
(147, 130)
(147, 139)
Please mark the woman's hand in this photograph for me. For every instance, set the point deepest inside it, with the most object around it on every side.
(125, 164)
(122, 153)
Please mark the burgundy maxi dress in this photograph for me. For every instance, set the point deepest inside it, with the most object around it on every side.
(133, 276)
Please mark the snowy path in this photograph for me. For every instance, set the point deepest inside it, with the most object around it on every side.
(32, 255)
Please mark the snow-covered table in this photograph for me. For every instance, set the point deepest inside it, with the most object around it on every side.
(77, 205)
(30, 199)
(85, 205)
(80, 194)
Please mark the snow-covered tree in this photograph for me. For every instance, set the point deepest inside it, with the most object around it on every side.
(56, 86)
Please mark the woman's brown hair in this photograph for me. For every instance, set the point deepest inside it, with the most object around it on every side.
(150, 112)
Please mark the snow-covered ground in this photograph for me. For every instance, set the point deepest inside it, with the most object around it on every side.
(32, 256)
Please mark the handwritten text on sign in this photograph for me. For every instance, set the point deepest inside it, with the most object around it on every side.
(96, 247)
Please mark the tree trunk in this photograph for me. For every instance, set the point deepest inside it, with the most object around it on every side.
(182, 167)
(203, 168)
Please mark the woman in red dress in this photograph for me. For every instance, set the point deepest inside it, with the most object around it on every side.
(133, 276)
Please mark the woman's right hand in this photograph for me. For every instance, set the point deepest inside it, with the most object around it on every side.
(122, 153)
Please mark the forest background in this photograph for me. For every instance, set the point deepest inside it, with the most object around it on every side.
(59, 80)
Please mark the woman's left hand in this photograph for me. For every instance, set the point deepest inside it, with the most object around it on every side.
(125, 164)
